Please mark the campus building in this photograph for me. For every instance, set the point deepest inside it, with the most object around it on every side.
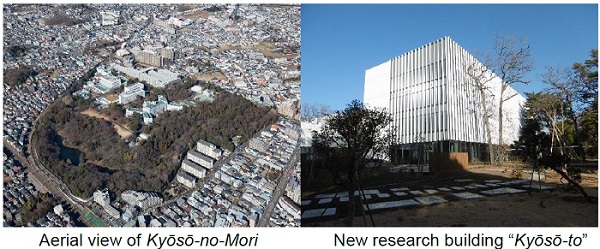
(434, 103)
(141, 199)
(131, 92)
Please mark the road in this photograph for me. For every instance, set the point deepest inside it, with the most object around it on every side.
(44, 181)
(263, 221)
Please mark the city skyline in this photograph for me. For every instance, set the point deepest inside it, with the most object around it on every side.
(358, 37)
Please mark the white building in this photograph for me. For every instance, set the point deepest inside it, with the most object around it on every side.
(101, 197)
(140, 199)
(159, 77)
(59, 210)
(289, 206)
(432, 99)
(113, 212)
(200, 159)
(193, 168)
(147, 117)
(186, 179)
(155, 77)
(131, 92)
(208, 149)
(155, 107)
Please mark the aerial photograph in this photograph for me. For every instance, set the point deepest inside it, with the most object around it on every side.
(151, 115)
(459, 115)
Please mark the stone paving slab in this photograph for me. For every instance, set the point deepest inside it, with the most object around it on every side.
(367, 192)
(330, 195)
(391, 204)
(538, 186)
(445, 189)
(400, 193)
(492, 185)
(416, 192)
(325, 200)
(457, 188)
(430, 191)
(428, 200)
(519, 181)
(344, 199)
(463, 180)
(318, 212)
(305, 202)
(383, 195)
(470, 187)
(467, 195)
(493, 181)
(482, 186)
(500, 191)
(400, 189)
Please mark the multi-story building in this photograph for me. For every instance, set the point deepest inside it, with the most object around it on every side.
(131, 92)
(155, 77)
(101, 197)
(186, 179)
(149, 57)
(208, 149)
(289, 206)
(147, 117)
(433, 101)
(159, 77)
(193, 168)
(155, 107)
(200, 159)
(140, 199)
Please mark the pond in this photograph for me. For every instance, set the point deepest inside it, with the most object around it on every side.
(68, 153)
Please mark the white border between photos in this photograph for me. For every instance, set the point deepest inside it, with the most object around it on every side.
(302, 237)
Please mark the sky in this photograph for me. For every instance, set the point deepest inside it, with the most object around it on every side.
(340, 42)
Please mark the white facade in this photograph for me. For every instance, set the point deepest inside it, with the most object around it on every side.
(131, 92)
(155, 77)
(208, 149)
(432, 98)
(101, 197)
(186, 179)
(201, 159)
(193, 168)
(140, 199)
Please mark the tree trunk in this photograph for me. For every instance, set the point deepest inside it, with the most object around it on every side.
(351, 199)
(577, 141)
(486, 118)
(500, 121)
(574, 183)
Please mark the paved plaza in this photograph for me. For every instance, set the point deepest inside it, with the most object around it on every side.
(390, 198)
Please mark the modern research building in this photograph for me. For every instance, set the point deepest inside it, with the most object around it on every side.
(435, 105)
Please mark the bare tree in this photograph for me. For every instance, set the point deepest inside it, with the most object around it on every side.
(548, 108)
(481, 80)
(510, 60)
(564, 83)
(311, 111)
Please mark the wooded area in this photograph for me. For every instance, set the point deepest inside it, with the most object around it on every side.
(108, 161)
